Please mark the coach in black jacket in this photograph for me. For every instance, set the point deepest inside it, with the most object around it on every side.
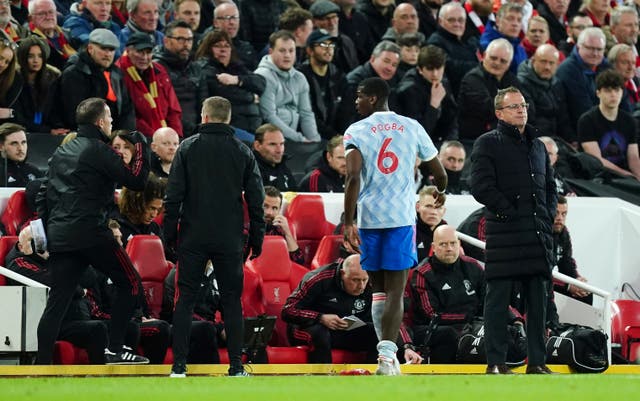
(315, 311)
(208, 176)
(73, 202)
(512, 176)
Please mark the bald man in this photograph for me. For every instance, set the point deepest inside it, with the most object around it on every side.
(164, 146)
(318, 311)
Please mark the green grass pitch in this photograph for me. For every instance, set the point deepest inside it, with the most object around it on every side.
(327, 388)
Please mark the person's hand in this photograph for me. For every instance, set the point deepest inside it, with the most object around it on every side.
(351, 238)
(282, 222)
(148, 319)
(333, 322)
(59, 131)
(437, 94)
(439, 198)
(228, 79)
(578, 292)
(412, 357)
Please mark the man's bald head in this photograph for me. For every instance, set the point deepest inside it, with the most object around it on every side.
(165, 143)
(545, 61)
(446, 246)
(354, 279)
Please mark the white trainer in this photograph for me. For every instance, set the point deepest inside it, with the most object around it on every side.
(386, 367)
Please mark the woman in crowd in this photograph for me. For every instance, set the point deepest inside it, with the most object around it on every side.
(10, 79)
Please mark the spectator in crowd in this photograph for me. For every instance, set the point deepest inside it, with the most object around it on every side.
(206, 332)
(15, 171)
(154, 100)
(508, 26)
(425, 95)
(511, 198)
(164, 145)
(228, 77)
(437, 313)
(428, 11)
(479, 86)
(578, 23)
(622, 58)
(326, 81)
(555, 13)
(212, 171)
(277, 224)
(43, 22)
(187, 78)
(325, 16)
(35, 105)
(226, 17)
(320, 312)
(143, 18)
(452, 155)
(95, 14)
(299, 22)
(119, 13)
(285, 101)
(462, 53)
(577, 74)
(479, 13)
(354, 24)
(537, 35)
(562, 186)
(609, 133)
(92, 74)
(624, 27)
(259, 19)
(545, 95)
(598, 11)
(268, 149)
(378, 14)
(563, 250)
(405, 20)
(329, 176)
(120, 143)
(409, 44)
(10, 79)
(383, 64)
(189, 12)
(429, 217)
(12, 28)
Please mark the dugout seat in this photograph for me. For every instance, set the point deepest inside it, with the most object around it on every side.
(6, 243)
(279, 277)
(344, 356)
(65, 353)
(328, 251)
(252, 300)
(147, 255)
(625, 327)
(16, 212)
(306, 215)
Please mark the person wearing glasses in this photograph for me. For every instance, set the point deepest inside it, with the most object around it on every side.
(226, 17)
(326, 16)
(186, 76)
(143, 17)
(511, 175)
(577, 74)
(95, 14)
(43, 23)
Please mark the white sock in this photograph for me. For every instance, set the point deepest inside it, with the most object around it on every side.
(377, 308)
(387, 348)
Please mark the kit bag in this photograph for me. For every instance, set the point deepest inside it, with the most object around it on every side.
(583, 348)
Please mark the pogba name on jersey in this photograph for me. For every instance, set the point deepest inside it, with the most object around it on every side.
(387, 127)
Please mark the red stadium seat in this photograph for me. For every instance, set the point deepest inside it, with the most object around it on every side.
(6, 243)
(16, 212)
(279, 277)
(147, 254)
(65, 353)
(328, 251)
(306, 214)
(625, 327)
(252, 299)
(344, 356)
(287, 355)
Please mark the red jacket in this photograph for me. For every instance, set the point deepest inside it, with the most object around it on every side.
(166, 102)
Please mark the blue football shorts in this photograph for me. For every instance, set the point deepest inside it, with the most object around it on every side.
(388, 248)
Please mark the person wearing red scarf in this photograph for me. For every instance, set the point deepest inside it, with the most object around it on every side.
(43, 23)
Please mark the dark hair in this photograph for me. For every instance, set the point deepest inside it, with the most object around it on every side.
(431, 57)
(132, 204)
(281, 34)
(263, 129)
(43, 78)
(90, 110)
(8, 129)
(562, 200)
(213, 37)
(408, 39)
(374, 87)
(609, 79)
(272, 192)
(294, 18)
(168, 30)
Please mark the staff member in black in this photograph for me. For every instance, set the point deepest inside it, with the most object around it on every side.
(512, 176)
(208, 175)
(73, 203)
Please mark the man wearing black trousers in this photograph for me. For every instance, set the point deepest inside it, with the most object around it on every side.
(73, 203)
(512, 176)
(209, 174)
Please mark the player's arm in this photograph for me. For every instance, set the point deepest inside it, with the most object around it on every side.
(439, 178)
(351, 191)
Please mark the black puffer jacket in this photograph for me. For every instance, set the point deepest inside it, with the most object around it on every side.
(512, 177)
(259, 19)
(77, 194)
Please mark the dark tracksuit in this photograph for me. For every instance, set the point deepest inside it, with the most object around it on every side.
(563, 250)
(208, 175)
(279, 175)
(322, 292)
(442, 298)
(73, 202)
(322, 179)
(17, 174)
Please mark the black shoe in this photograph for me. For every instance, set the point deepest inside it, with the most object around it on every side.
(539, 370)
(123, 357)
(498, 370)
(238, 372)
(178, 370)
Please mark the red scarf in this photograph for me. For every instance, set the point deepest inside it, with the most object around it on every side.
(66, 49)
(150, 92)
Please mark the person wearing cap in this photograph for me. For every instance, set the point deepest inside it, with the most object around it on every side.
(155, 102)
(95, 14)
(43, 23)
(92, 74)
(326, 81)
(143, 17)
(325, 16)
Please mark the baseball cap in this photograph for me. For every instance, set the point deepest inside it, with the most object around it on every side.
(104, 37)
(319, 36)
(321, 8)
(140, 41)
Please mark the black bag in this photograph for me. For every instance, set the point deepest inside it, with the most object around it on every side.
(584, 349)
(471, 345)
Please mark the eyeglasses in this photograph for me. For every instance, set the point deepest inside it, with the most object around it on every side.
(460, 20)
(516, 106)
(45, 13)
(326, 45)
(593, 49)
(181, 39)
(228, 18)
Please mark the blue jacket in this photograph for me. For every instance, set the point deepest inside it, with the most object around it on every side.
(490, 33)
(79, 26)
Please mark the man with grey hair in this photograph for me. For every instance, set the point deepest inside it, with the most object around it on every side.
(95, 14)
(508, 26)
(14, 30)
(226, 17)
(622, 58)
(562, 186)
(143, 17)
(577, 74)
(43, 22)
(623, 27)
(479, 87)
